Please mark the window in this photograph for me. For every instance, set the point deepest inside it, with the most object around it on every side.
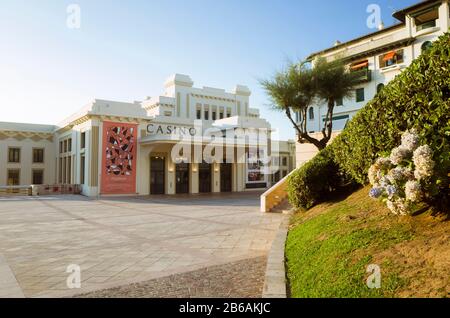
(311, 113)
(213, 115)
(206, 115)
(380, 87)
(13, 177)
(38, 155)
(221, 115)
(65, 145)
(83, 140)
(82, 169)
(168, 113)
(339, 102)
(14, 155)
(360, 95)
(283, 173)
(276, 176)
(60, 147)
(426, 19)
(426, 46)
(69, 144)
(391, 58)
(38, 177)
(228, 114)
(60, 167)
(284, 160)
(199, 114)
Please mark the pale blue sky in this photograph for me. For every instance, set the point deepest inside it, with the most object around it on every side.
(125, 50)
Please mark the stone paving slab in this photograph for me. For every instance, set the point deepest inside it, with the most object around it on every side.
(242, 279)
(118, 241)
(9, 286)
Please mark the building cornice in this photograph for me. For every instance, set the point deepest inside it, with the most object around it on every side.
(343, 45)
(85, 118)
(21, 135)
(401, 14)
(213, 97)
(380, 49)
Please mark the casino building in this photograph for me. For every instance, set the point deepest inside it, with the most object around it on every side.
(189, 140)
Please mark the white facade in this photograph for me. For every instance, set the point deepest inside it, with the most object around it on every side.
(27, 138)
(112, 147)
(418, 26)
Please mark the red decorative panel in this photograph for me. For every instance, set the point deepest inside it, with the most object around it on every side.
(119, 158)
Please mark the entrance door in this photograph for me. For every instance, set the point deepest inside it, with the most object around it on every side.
(182, 178)
(225, 177)
(204, 177)
(157, 175)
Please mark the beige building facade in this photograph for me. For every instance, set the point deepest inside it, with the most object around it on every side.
(188, 140)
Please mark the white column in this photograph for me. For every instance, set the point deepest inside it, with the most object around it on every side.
(444, 18)
(193, 178)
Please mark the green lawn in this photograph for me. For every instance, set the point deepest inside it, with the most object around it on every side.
(330, 246)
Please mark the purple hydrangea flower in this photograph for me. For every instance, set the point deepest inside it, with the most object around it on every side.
(375, 192)
(391, 190)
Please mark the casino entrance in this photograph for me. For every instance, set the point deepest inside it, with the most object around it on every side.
(182, 178)
(225, 177)
(204, 177)
(157, 175)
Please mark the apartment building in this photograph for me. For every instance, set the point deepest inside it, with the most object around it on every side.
(377, 58)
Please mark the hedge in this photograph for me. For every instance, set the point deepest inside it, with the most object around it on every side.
(313, 181)
(417, 98)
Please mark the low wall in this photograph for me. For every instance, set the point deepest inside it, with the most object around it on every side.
(55, 189)
(15, 190)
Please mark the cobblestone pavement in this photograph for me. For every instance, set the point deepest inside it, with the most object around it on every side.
(118, 241)
(242, 279)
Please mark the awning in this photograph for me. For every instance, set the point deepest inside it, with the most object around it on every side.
(359, 65)
(389, 56)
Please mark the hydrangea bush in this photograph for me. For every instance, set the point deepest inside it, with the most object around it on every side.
(403, 179)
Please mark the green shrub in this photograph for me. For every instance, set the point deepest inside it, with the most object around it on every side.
(417, 98)
(314, 181)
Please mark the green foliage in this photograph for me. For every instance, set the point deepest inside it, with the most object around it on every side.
(298, 86)
(417, 98)
(292, 88)
(333, 81)
(314, 181)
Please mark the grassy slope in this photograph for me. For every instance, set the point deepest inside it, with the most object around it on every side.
(329, 247)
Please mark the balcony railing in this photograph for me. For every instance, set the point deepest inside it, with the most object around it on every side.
(363, 76)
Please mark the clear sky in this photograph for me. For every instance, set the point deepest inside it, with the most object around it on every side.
(124, 50)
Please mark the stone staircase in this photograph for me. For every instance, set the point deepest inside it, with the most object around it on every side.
(275, 198)
(283, 207)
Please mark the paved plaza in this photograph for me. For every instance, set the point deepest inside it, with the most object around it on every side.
(124, 241)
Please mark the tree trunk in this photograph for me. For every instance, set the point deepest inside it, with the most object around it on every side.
(304, 137)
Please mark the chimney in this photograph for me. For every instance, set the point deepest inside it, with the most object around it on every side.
(337, 43)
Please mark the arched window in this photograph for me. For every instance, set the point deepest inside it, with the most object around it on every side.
(311, 113)
(426, 46)
(380, 87)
